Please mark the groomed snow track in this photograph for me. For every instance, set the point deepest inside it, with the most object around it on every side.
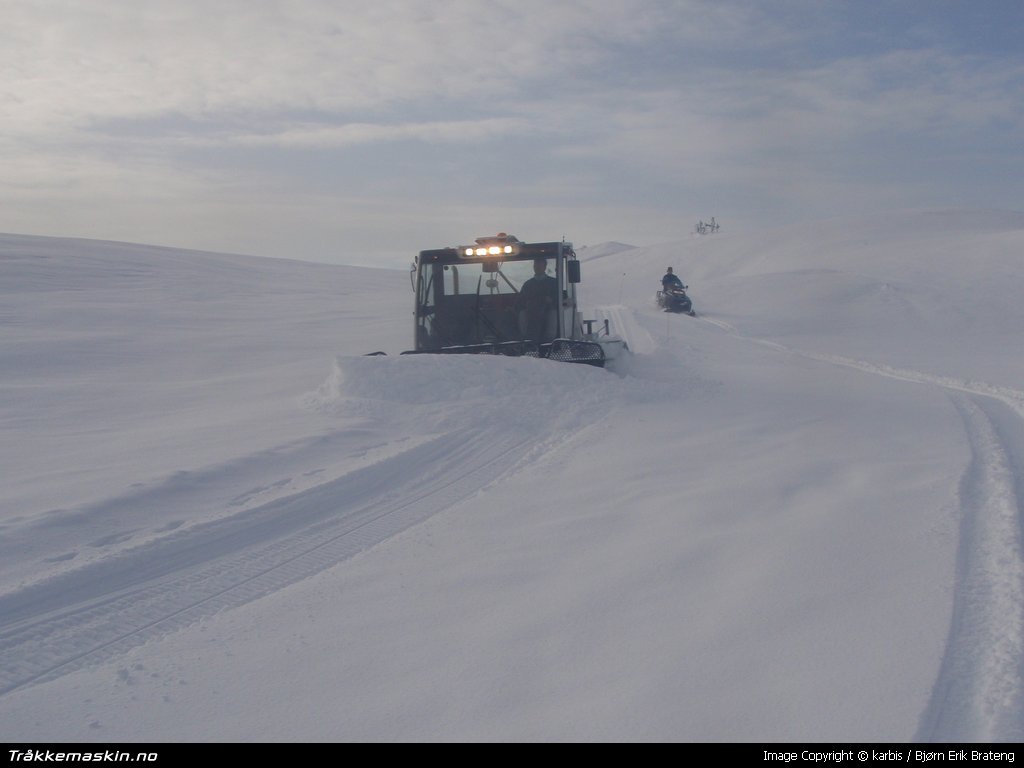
(102, 610)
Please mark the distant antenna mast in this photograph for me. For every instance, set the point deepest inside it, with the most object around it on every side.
(708, 228)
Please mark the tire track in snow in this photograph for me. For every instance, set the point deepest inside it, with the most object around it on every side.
(978, 695)
(103, 610)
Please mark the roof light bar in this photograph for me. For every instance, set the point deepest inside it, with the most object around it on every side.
(488, 250)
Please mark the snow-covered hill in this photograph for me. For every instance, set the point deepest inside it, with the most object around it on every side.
(794, 517)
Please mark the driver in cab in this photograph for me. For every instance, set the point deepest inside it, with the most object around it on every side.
(537, 304)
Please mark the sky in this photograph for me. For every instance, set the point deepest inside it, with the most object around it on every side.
(353, 132)
(797, 517)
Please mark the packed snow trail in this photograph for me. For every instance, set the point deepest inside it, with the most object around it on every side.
(978, 695)
(101, 609)
(105, 608)
(622, 322)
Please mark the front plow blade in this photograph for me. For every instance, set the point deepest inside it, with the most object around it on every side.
(562, 350)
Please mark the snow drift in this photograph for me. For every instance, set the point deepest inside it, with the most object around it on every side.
(794, 517)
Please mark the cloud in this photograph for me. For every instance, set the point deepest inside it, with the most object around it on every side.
(324, 136)
(579, 107)
(71, 63)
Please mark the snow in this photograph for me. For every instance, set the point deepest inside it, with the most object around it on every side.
(794, 517)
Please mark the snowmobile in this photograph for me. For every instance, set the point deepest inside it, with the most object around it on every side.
(673, 299)
(475, 299)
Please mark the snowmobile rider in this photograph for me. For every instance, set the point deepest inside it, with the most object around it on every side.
(671, 281)
(537, 303)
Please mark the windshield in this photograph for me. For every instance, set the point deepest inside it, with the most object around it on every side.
(508, 277)
(470, 302)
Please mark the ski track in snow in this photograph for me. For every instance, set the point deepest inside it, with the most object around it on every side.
(978, 695)
(104, 609)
